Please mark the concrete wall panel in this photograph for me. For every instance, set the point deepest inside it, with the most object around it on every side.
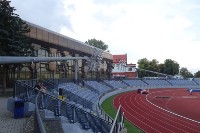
(70, 44)
(61, 41)
(51, 38)
(45, 36)
(77, 46)
(33, 33)
(39, 34)
(55, 39)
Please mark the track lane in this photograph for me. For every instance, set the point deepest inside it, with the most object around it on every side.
(181, 102)
(176, 123)
(156, 115)
(149, 118)
(134, 117)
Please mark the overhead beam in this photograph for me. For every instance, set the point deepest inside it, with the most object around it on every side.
(14, 59)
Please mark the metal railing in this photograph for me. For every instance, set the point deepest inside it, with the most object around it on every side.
(104, 115)
(76, 113)
(118, 123)
(38, 123)
(72, 111)
(25, 91)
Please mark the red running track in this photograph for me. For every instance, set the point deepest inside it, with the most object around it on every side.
(162, 111)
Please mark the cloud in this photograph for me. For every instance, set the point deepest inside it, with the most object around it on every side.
(46, 13)
(155, 29)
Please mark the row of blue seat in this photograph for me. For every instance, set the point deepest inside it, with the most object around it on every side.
(115, 83)
(83, 96)
(98, 87)
(162, 82)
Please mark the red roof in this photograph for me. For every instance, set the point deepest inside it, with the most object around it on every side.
(117, 58)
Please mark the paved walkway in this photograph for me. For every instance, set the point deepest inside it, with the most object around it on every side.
(7, 123)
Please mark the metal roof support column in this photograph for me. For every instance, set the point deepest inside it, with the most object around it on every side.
(76, 71)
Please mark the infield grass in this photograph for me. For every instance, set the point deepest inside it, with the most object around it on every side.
(107, 106)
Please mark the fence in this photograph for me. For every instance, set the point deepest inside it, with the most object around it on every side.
(73, 112)
(38, 123)
(118, 123)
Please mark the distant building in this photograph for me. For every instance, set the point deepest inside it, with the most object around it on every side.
(121, 68)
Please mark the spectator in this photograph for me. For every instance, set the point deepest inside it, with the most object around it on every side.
(39, 87)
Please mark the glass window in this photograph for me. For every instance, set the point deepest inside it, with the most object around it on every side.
(42, 53)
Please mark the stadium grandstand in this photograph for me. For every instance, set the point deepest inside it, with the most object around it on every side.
(74, 92)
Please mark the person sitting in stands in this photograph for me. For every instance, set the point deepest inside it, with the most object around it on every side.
(39, 86)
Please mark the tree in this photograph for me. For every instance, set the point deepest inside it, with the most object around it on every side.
(171, 67)
(185, 73)
(143, 64)
(150, 67)
(97, 43)
(153, 66)
(197, 74)
(161, 68)
(13, 41)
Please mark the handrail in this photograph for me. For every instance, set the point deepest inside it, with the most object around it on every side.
(115, 126)
(73, 105)
(104, 114)
(121, 123)
(39, 119)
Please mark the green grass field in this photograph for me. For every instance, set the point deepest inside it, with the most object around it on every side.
(107, 106)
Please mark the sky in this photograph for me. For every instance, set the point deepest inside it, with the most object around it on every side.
(152, 29)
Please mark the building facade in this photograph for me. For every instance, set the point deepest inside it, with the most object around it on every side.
(47, 43)
(121, 69)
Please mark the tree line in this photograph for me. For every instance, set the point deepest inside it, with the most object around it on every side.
(169, 67)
